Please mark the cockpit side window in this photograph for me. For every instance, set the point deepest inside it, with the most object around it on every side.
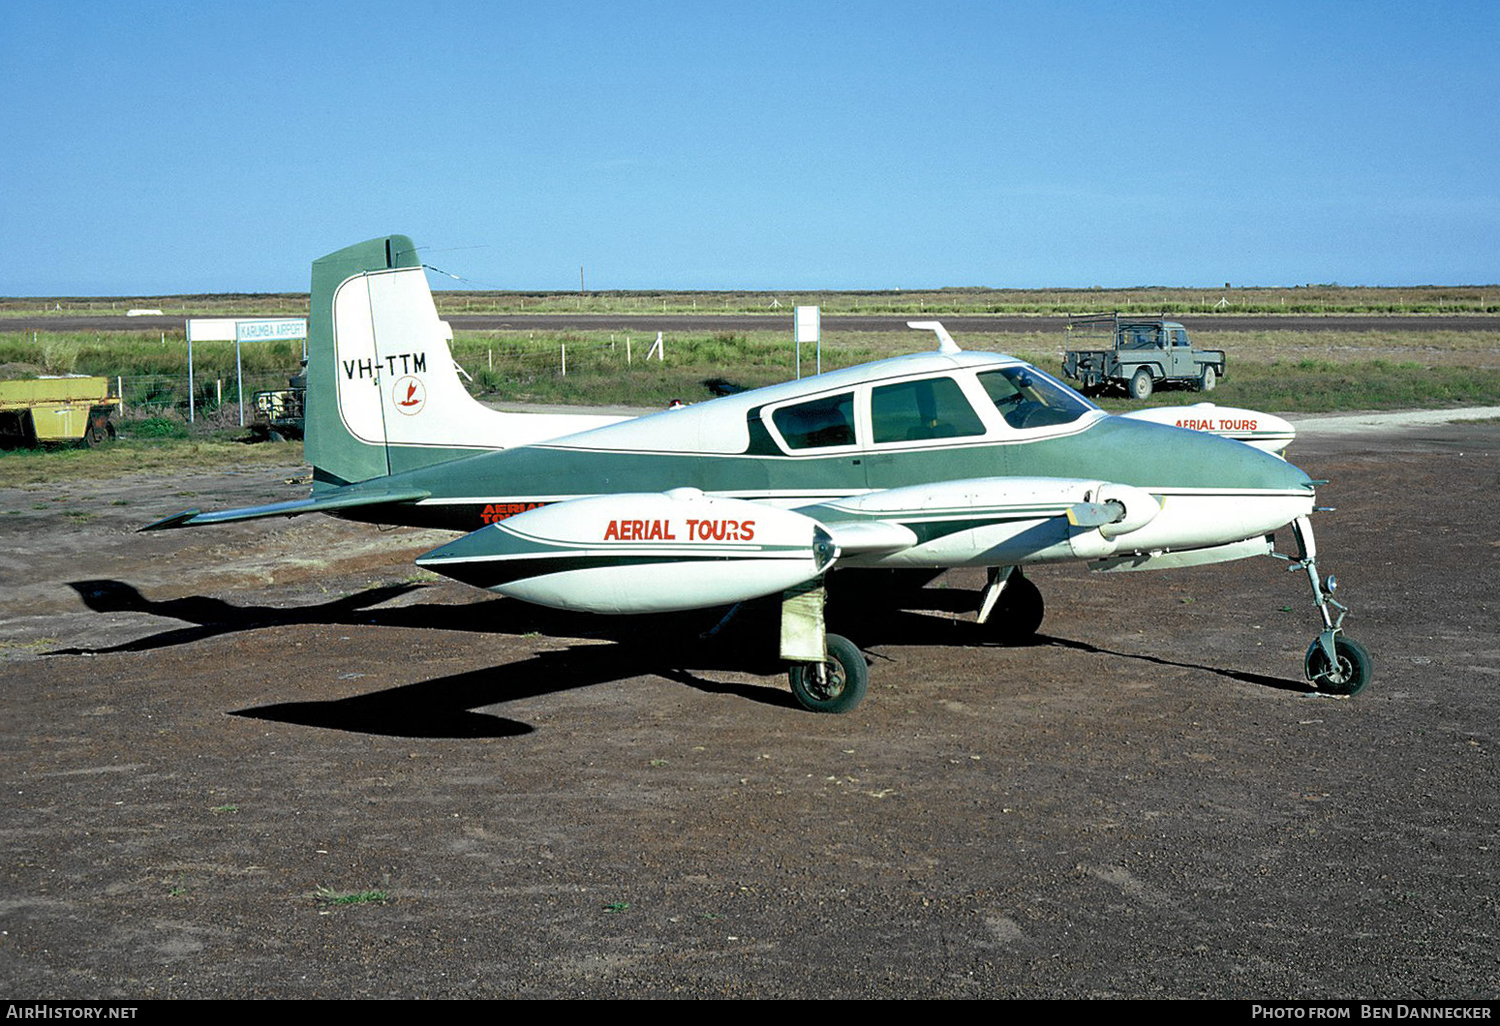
(917, 410)
(817, 424)
(1027, 398)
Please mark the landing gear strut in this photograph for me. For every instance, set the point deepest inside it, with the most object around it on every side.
(1334, 664)
(1012, 608)
(836, 684)
(828, 673)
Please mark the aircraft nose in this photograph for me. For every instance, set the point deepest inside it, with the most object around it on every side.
(1213, 490)
(1178, 457)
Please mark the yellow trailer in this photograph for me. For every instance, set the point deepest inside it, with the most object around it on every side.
(55, 409)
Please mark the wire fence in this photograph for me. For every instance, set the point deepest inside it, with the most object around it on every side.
(155, 395)
(501, 361)
(482, 371)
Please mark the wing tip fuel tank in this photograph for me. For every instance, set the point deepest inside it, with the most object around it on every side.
(652, 552)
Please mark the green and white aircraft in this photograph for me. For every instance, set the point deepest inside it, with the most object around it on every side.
(943, 459)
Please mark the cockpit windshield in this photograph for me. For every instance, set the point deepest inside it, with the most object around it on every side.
(1027, 398)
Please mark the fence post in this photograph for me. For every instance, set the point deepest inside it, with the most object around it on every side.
(564, 360)
(120, 393)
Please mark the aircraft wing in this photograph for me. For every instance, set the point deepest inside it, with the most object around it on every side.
(670, 551)
(328, 503)
(956, 519)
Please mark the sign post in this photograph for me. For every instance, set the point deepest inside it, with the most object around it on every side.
(808, 327)
(224, 329)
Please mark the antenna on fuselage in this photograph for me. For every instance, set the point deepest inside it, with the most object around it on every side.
(945, 340)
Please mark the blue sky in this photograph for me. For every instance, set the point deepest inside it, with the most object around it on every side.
(205, 147)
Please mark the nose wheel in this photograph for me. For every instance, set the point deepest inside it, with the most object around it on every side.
(1346, 673)
(1334, 664)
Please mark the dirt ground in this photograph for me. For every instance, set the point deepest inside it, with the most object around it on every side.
(204, 730)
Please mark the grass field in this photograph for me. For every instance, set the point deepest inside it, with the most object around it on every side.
(1271, 370)
(20, 468)
(1275, 371)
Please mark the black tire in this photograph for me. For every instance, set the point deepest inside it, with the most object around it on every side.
(98, 434)
(846, 678)
(1018, 614)
(1209, 379)
(1352, 674)
(1140, 384)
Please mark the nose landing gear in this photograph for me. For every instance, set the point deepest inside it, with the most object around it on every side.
(1334, 664)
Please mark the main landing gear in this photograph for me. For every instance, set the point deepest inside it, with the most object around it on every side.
(835, 685)
(1334, 664)
(828, 672)
(1012, 607)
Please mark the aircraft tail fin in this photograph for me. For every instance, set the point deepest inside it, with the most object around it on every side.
(383, 392)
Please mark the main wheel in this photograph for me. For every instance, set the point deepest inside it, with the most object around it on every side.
(1351, 674)
(845, 679)
(1018, 614)
(1209, 380)
(1140, 385)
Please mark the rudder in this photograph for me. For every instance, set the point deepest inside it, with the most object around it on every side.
(383, 392)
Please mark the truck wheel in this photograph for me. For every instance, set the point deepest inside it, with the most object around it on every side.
(1209, 380)
(1140, 385)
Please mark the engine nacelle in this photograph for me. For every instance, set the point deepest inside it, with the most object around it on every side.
(653, 552)
(1005, 520)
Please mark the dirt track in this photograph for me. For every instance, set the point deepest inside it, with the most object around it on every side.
(203, 728)
(956, 323)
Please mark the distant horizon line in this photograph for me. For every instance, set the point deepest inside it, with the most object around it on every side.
(787, 291)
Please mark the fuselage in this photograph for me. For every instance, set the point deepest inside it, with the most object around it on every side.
(925, 420)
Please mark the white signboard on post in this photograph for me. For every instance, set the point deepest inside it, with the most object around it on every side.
(807, 326)
(809, 320)
(265, 331)
(228, 329)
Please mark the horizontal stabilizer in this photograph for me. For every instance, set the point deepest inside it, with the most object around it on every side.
(329, 503)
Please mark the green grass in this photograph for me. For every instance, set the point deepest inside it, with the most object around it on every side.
(1274, 371)
(21, 467)
(136, 353)
(1313, 386)
(328, 897)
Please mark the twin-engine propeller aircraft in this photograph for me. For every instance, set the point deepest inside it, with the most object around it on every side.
(943, 459)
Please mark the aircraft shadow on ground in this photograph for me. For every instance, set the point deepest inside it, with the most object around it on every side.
(670, 646)
(1259, 679)
(444, 707)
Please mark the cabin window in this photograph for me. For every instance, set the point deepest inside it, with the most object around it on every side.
(918, 410)
(818, 424)
(1179, 337)
(1027, 398)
